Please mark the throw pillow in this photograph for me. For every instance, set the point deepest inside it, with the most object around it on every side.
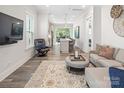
(99, 47)
(116, 77)
(106, 52)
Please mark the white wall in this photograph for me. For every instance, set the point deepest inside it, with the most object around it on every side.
(43, 26)
(108, 35)
(14, 55)
(103, 32)
(103, 28)
(96, 25)
(80, 22)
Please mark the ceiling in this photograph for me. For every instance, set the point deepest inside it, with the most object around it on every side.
(62, 13)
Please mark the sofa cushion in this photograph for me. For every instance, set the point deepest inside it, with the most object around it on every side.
(94, 59)
(99, 47)
(107, 52)
(97, 77)
(120, 55)
(95, 56)
(109, 63)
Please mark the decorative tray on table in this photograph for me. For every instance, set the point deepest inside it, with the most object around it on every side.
(79, 58)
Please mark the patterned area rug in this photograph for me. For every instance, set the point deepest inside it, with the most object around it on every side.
(53, 74)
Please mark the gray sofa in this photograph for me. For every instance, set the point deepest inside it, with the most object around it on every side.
(98, 77)
(99, 61)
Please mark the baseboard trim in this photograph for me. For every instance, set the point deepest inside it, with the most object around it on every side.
(11, 69)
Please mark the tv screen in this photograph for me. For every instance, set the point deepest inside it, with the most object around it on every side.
(11, 29)
(17, 31)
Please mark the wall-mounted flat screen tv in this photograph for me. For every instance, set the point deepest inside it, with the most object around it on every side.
(11, 29)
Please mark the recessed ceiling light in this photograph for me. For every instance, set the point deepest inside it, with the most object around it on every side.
(83, 6)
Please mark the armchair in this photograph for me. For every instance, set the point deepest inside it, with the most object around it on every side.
(41, 47)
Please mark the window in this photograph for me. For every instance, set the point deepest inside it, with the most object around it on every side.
(29, 31)
(62, 33)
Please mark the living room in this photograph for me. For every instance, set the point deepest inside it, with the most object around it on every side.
(90, 26)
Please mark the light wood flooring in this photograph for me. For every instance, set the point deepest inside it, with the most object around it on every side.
(22, 75)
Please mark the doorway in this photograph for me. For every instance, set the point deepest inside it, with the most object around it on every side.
(62, 32)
